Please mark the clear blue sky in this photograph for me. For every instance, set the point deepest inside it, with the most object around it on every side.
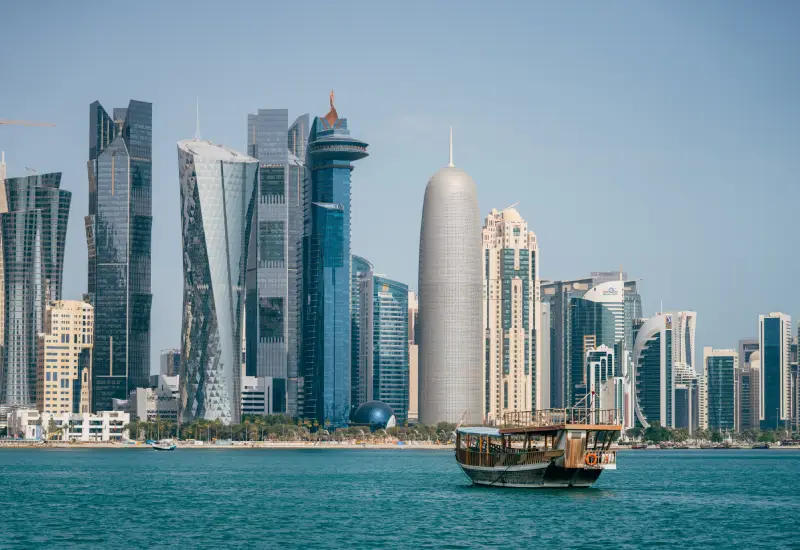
(660, 136)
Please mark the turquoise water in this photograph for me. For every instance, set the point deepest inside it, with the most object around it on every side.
(129, 498)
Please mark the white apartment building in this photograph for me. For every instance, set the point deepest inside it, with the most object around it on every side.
(68, 330)
(510, 315)
(101, 427)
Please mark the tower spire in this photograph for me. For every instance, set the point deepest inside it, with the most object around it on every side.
(197, 127)
(451, 165)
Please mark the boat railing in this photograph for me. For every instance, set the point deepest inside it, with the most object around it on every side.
(600, 459)
(558, 417)
(494, 460)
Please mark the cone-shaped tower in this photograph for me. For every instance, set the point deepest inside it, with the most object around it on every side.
(450, 289)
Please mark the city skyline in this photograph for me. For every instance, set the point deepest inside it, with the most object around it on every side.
(632, 127)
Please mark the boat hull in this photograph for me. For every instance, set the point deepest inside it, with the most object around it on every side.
(170, 448)
(537, 476)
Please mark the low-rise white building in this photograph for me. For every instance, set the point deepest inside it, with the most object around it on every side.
(158, 402)
(100, 427)
(257, 395)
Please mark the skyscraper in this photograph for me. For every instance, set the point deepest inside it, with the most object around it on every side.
(413, 357)
(325, 321)
(652, 359)
(218, 201)
(272, 320)
(720, 367)
(34, 232)
(451, 340)
(615, 295)
(595, 319)
(3, 210)
(749, 392)
(67, 333)
(361, 312)
(118, 235)
(390, 345)
(170, 362)
(774, 342)
(510, 314)
(662, 357)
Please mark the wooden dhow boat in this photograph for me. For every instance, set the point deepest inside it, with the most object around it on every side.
(550, 448)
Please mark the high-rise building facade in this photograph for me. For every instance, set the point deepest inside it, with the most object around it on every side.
(33, 235)
(610, 296)
(218, 201)
(3, 210)
(451, 338)
(361, 312)
(325, 315)
(169, 362)
(774, 343)
(390, 345)
(652, 379)
(720, 366)
(510, 314)
(118, 235)
(272, 320)
(68, 331)
(748, 389)
(663, 356)
(413, 357)
(794, 361)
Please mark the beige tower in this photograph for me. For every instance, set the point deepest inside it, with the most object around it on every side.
(510, 314)
(413, 357)
(69, 327)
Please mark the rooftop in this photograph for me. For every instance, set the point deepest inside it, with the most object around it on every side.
(210, 151)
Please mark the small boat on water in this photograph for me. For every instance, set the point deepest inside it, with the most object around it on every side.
(761, 446)
(164, 445)
(639, 446)
(552, 448)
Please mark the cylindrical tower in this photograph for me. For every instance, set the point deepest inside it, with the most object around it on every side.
(450, 289)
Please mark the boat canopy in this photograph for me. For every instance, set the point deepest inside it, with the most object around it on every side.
(480, 430)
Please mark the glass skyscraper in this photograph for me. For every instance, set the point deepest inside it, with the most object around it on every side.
(272, 329)
(118, 235)
(619, 296)
(720, 375)
(33, 234)
(218, 197)
(653, 371)
(775, 336)
(361, 315)
(390, 345)
(325, 360)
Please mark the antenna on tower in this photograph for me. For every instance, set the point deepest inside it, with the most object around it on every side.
(197, 127)
(451, 165)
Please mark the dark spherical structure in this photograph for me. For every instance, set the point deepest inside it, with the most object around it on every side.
(374, 414)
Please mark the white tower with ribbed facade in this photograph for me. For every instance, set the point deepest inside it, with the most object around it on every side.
(510, 314)
(450, 289)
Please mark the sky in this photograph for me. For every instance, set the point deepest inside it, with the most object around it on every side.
(660, 137)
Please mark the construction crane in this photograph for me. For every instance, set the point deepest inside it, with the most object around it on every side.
(25, 123)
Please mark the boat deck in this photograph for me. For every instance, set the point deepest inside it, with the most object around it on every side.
(554, 420)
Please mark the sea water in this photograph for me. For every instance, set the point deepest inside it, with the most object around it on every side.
(404, 498)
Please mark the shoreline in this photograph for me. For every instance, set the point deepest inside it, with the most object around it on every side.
(237, 445)
(289, 445)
